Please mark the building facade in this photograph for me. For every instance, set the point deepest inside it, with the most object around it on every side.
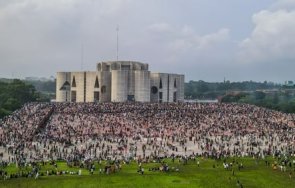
(119, 81)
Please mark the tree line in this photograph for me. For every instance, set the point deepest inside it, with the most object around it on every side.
(281, 100)
(14, 93)
(212, 90)
(263, 94)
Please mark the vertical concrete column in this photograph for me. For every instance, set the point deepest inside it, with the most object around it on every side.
(63, 86)
(119, 85)
(142, 86)
(181, 88)
(105, 86)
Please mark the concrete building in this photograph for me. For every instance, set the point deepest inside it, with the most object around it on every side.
(119, 81)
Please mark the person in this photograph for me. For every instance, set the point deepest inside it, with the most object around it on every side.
(80, 172)
(115, 129)
(37, 175)
(238, 183)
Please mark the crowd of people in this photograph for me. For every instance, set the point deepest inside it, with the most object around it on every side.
(83, 131)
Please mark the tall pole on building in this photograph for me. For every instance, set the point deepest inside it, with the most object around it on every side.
(117, 42)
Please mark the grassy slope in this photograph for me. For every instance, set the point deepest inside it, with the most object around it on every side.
(253, 175)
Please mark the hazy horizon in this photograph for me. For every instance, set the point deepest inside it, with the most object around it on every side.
(186, 81)
(204, 39)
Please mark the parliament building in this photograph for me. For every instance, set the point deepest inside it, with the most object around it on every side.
(119, 81)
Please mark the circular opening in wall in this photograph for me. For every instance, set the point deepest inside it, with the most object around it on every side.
(103, 89)
(154, 90)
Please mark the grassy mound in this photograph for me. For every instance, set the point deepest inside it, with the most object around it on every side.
(209, 173)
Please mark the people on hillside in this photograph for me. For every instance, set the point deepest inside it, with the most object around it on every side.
(143, 131)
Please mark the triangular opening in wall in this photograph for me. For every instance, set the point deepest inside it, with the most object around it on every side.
(65, 86)
(96, 85)
(74, 82)
(160, 86)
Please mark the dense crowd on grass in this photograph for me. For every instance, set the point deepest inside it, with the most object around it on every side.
(83, 131)
(85, 134)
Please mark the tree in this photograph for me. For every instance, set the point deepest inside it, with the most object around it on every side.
(259, 95)
(14, 94)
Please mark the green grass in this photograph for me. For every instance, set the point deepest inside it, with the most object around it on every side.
(190, 175)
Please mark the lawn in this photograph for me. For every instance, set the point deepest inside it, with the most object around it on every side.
(209, 173)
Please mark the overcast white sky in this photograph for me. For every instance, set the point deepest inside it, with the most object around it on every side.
(203, 39)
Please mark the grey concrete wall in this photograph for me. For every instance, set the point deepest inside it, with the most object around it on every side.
(142, 86)
(181, 88)
(116, 83)
(119, 86)
(164, 90)
(172, 89)
(131, 82)
(61, 94)
(90, 83)
(168, 88)
(106, 81)
(79, 77)
(155, 81)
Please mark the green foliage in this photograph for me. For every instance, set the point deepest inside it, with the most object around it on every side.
(43, 86)
(210, 173)
(280, 100)
(46, 89)
(4, 112)
(11, 104)
(210, 90)
(259, 95)
(244, 92)
(14, 94)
